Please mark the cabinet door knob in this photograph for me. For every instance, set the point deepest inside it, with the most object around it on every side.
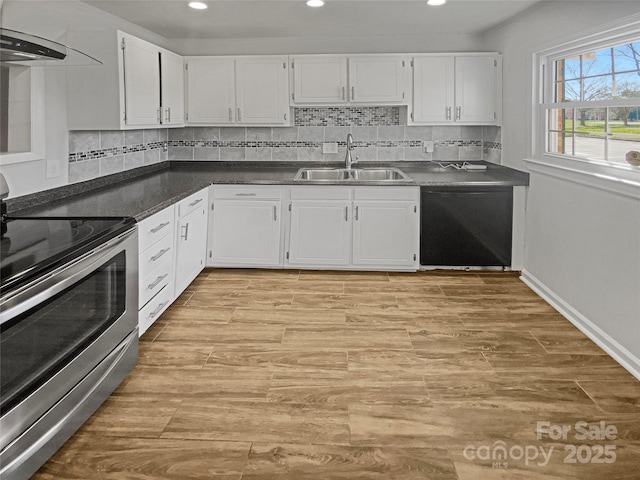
(275, 213)
(230, 114)
(239, 115)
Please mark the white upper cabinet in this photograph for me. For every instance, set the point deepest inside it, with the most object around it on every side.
(340, 79)
(319, 80)
(141, 77)
(125, 92)
(262, 93)
(210, 91)
(456, 88)
(378, 79)
(238, 91)
(475, 99)
(433, 99)
(172, 91)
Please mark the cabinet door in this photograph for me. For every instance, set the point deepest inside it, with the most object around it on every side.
(378, 79)
(433, 93)
(475, 92)
(262, 90)
(245, 232)
(210, 91)
(320, 232)
(141, 82)
(385, 233)
(191, 245)
(319, 79)
(172, 88)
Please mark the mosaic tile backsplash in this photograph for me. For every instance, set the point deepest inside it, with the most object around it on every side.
(376, 131)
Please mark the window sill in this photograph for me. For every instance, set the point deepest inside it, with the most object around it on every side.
(616, 178)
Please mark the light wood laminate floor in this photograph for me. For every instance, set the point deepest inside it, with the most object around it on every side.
(257, 374)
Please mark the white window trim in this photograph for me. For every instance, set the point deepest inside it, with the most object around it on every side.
(610, 34)
(38, 123)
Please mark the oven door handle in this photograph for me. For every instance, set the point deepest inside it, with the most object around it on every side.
(61, 278)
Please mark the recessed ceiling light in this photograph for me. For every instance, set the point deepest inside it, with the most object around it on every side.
(315, 3)
(198, 5)
(436, 2)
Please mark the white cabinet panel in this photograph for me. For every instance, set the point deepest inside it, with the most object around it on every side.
(262, 90)
(475, 77)
(210, 91)
(433, 89)
(385, 233)
(245, 233)
(141, 83)
(172, 100)
(191, 245)
(319, 79)
(320, 232)
(378, 79)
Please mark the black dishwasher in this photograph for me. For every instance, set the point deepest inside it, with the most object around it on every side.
(466, 226)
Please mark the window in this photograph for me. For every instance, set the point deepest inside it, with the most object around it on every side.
(22, 115)
(591, 101)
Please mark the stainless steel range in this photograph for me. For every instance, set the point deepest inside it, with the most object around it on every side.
(68, 329)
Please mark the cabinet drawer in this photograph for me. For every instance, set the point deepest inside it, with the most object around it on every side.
(192, 202)
(152, 310)
(152, 229)
(387, 193)
(321, 193)
(156, 255)
(154, 281)
(250, 192)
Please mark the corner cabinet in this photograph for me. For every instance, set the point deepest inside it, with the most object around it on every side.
(341, 80)
(463, 89)
(139, 85)
(191, 238)
(245, 226)
(238, 91)
(359, 228)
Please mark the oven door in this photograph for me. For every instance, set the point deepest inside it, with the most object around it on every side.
(58, 329)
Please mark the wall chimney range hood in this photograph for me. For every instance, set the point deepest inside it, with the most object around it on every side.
(18, 48)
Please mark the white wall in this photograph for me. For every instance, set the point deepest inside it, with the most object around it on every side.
(582, 231)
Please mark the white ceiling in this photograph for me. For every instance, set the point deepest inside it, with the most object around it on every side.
(252, 19)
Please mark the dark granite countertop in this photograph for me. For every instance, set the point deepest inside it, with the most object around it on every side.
(142, 193)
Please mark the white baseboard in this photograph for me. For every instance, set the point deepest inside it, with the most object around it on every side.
(605, 341)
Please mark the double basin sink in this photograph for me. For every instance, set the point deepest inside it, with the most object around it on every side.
(351, 175)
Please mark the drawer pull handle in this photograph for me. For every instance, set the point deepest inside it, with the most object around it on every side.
(194, 203)
(157, 310)
(157, 281)
(159, 254)
(245, 194)
(275, 213)
(346, 214)
(159, 227)
(357, 213)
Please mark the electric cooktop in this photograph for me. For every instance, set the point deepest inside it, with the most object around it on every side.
(32, 246)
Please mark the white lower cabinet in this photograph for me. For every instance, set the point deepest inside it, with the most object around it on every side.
(245, 227)
(191, 238)
(365, 228)
(320, 232)
(155, 266)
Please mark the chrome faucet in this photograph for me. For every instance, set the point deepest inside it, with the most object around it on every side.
(348, 160)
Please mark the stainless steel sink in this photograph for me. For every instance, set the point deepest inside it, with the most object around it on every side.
(352, 175)
(323, 174)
